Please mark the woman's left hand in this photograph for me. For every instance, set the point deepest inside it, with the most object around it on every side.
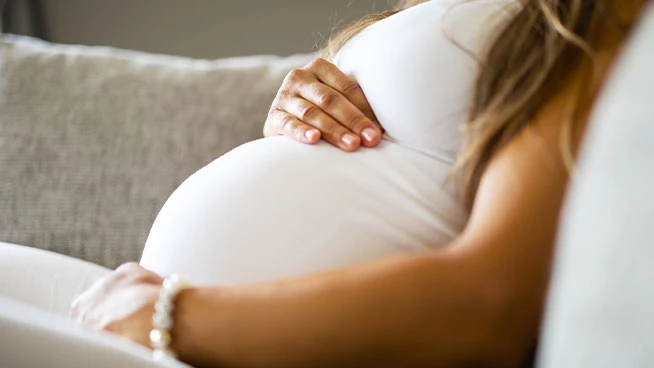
(121, 302)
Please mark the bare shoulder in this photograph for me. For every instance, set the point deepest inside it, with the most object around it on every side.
(516, 211)
(524, 184)
(521, 192)
(511, 233)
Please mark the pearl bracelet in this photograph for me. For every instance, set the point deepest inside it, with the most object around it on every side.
(162, 320)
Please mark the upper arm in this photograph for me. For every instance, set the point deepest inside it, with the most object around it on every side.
(516, 210)
(514, 219)
(511, 233)
(513, 224)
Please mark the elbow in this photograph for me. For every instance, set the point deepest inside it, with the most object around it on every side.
(512, 325)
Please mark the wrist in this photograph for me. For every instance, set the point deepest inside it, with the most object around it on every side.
(163, 317)
(199, 328)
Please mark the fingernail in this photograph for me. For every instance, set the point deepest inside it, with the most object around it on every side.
(310, 134)
(369, 134)
(348, 139)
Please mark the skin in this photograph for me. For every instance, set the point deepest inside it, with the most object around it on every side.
(321, 102)
(476, 303)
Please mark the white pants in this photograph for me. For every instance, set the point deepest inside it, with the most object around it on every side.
(36, 290)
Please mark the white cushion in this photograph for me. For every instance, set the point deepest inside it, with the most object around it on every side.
(43, 279)
(36, 339)
(601, 307)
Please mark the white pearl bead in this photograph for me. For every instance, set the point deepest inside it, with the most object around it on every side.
(162, 321)
(161, 354)
(163, 306)
(159, 338)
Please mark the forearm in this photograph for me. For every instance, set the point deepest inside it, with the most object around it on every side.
(412, 310)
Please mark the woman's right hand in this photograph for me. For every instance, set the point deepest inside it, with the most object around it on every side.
(319, 101)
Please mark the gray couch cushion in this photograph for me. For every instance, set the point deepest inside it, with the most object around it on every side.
(93, 140)
(601, 308)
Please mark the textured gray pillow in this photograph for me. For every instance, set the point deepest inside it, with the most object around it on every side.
(93, 140)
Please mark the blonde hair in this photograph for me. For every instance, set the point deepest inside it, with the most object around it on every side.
(525, 66)
(340, 38)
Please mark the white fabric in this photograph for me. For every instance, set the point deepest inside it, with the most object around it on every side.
(36, 290)
(32, 338)
(417, 72)
(275, 208)
(601, 306)
(36, 339)
(43, 279)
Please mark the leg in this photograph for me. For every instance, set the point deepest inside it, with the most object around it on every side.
(44, 279)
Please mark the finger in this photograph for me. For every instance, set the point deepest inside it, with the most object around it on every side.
(331, 130)
(75, 311)
(133, 272)
(299, 79)
(277, 123)
(340, 109)
(330, 75)
(267, 131)
(284, 123)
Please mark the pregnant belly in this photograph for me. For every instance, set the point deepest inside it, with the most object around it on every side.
(273, 208)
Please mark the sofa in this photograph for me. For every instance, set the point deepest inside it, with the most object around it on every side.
(93, 140)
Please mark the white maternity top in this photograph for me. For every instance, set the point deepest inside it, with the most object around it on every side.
(275, 208)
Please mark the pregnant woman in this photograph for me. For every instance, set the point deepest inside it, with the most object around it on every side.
(306, 255)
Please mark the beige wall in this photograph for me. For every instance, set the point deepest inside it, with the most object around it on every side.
(202, 28)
